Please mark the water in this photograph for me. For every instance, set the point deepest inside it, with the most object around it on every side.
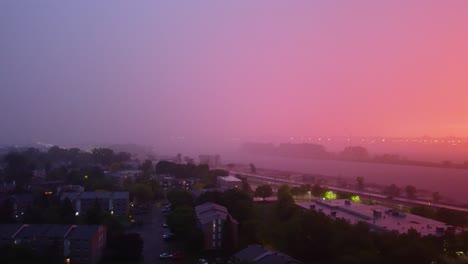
(452, 183)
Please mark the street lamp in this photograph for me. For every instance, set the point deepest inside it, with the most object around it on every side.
(309, 193)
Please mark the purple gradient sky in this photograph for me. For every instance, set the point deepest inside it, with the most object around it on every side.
(143, 71)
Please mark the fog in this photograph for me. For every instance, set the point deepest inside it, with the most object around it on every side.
(204, 76)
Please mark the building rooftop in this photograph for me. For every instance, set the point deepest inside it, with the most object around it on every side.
(71, 196)
(95, 195)
(23, 231)
(120, 195)
(83, 231)
(251, 252)
(207, 212)
(8, 230)
(46, 230)
(258, 254)
(378, 217)
(229, 178)
(32, 231)
(58, 230)
(277, 259)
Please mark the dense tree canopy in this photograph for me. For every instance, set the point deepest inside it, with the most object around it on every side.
(263, 191)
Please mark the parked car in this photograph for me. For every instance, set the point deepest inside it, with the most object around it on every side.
(165, 256)
(165, 225)
(202, 261)
(168, 236)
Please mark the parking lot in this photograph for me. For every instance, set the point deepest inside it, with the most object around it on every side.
(152, 232)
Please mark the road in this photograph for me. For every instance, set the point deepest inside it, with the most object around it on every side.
(151, 232)
(260, 179)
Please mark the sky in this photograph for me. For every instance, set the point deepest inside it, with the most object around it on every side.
(154, 71)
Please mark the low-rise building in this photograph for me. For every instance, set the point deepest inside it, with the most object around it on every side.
(258, 254)
(229, 182)
(116, 203)
(86, 244)
(79, 244)
(217, 225)
(377, 217)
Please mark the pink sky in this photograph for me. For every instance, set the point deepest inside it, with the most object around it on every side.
(120, 71)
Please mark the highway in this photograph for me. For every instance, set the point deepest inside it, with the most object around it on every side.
(377, 196)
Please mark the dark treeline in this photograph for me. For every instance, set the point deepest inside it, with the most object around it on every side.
(316, 238)
(351, 153)
(57, 164)
(311, 236)
(190, 170)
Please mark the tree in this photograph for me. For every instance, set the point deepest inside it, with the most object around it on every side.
(182, 221)
(283, 190)
(228, 243)
(179, 198)
(317, 190)
(103, 156)
(126, 247)
(410, 191)
(17, 254)
(253, 169)
(239, 204)
(360, 183)
(211, 197)
(164, 167)
(142, 193)
(67, 212)
(147, 166)
(285, 205)
(263, 191)
(18, 169)
(122, 157)
(6, 212)
(355, 153)
(298, 191)
(392, 190)
(95, 215)
(245, 185)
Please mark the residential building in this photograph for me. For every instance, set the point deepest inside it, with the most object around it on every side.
(217, 225)
(258, 254)
(86, 244)
(377, 217)
(229, 182)
(116, 203)
(80, 244)
(70, 189)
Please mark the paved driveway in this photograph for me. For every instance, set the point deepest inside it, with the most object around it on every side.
(151, 233)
